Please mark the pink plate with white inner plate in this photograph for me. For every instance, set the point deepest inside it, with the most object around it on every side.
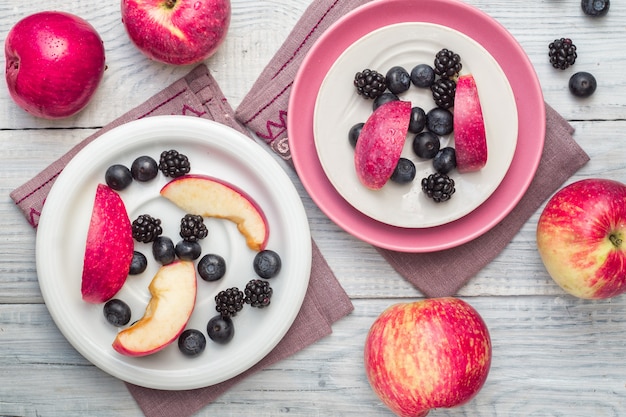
(503, 48)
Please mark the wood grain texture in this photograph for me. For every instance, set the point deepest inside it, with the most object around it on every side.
(554, 355)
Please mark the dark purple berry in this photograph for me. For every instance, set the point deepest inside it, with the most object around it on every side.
(163, 250)
(440, 121)
(220, 329)
(353, 134)
(426, 145)
(445, 160)
(267, 264)
(582, 84)
(398, 80)
(417, 123)
(191, 342)
(211, 267)
(144, 168)
(423, 76)
(404, 172)
(138, 264)
(118, 177)
(117, 312)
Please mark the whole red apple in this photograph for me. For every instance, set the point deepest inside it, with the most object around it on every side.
(54, 63)
(428, 354)
(580, 237)
(178, 32)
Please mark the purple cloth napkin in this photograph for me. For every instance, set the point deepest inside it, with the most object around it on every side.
(264, 111)
(198, 95)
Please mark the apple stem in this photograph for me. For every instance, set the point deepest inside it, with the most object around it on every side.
(170, 4)
(615, 240)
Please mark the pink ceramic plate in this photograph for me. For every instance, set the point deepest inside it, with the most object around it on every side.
(473, 23)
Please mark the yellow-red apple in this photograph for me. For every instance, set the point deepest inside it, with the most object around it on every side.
(178, 32)
(211, 197)
(380, 143)
(470, 139)
(428, 354)
(173, 290)
(580, 238)
(109, 247)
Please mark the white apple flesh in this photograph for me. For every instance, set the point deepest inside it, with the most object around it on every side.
(173, 290)
(581, 238)
(380, 143)
(54, 64)
(109, 247)
(470, 139)
(177, 32)
(428, 354)
(211, 197)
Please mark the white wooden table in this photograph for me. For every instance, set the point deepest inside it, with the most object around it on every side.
(554, 355)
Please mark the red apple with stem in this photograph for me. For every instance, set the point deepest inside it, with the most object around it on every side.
(428, 354)
(581, 238)
(177, 32)
(54, 63)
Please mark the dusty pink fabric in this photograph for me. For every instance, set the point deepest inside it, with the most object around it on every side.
(264, 111)
(198, 95)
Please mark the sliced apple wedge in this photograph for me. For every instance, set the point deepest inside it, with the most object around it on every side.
(109, 247)
(211, 197)
(380, 143)
(470, 139)
(173, 290)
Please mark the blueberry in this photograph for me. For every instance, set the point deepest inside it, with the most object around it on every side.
(384, 98)
(144, 168)
(404, 172)
(138, 264)
(439, 121)
(423, 76)
(188, 251)
(353, 134)
(445, 160)
(191, 342)
(118, 177)
(267, 263)
(116, 312)
(417, 123)
(582, 84)
(220, 329)
(595, 8)
(426, 145)
(211, 267)
(398, 80)
(163, 250)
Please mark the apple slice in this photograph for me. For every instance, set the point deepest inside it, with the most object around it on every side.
(211, 197)
(109, 247)
(470, 140)
(173, 291)
(380, 143)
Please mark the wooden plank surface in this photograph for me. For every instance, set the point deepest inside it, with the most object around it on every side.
(554, 355)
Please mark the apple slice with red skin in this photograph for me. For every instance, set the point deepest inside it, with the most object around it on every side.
(109, 247)
(470, 139)
(380, 143)
(173, 291)
(211, 197)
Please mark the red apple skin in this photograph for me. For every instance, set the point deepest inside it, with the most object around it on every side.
(109, 247)
(380, 143)
(197, 194)
(177, 32)
(580, 238)
(54, 64)
(428, 354)
(470, 139)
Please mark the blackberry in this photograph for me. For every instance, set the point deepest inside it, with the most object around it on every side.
(562, 53)
(447, 64)
(192, 228)
(369, 83)
(258, 293)
(438, 186)
(229, 302)
(146, 228)
(443, 91)
(174, 164)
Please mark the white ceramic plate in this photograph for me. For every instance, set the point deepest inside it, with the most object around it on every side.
(213, 149)
(338, 108)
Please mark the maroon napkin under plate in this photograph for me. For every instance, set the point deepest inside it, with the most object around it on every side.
(325, 302)
(264, 111)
